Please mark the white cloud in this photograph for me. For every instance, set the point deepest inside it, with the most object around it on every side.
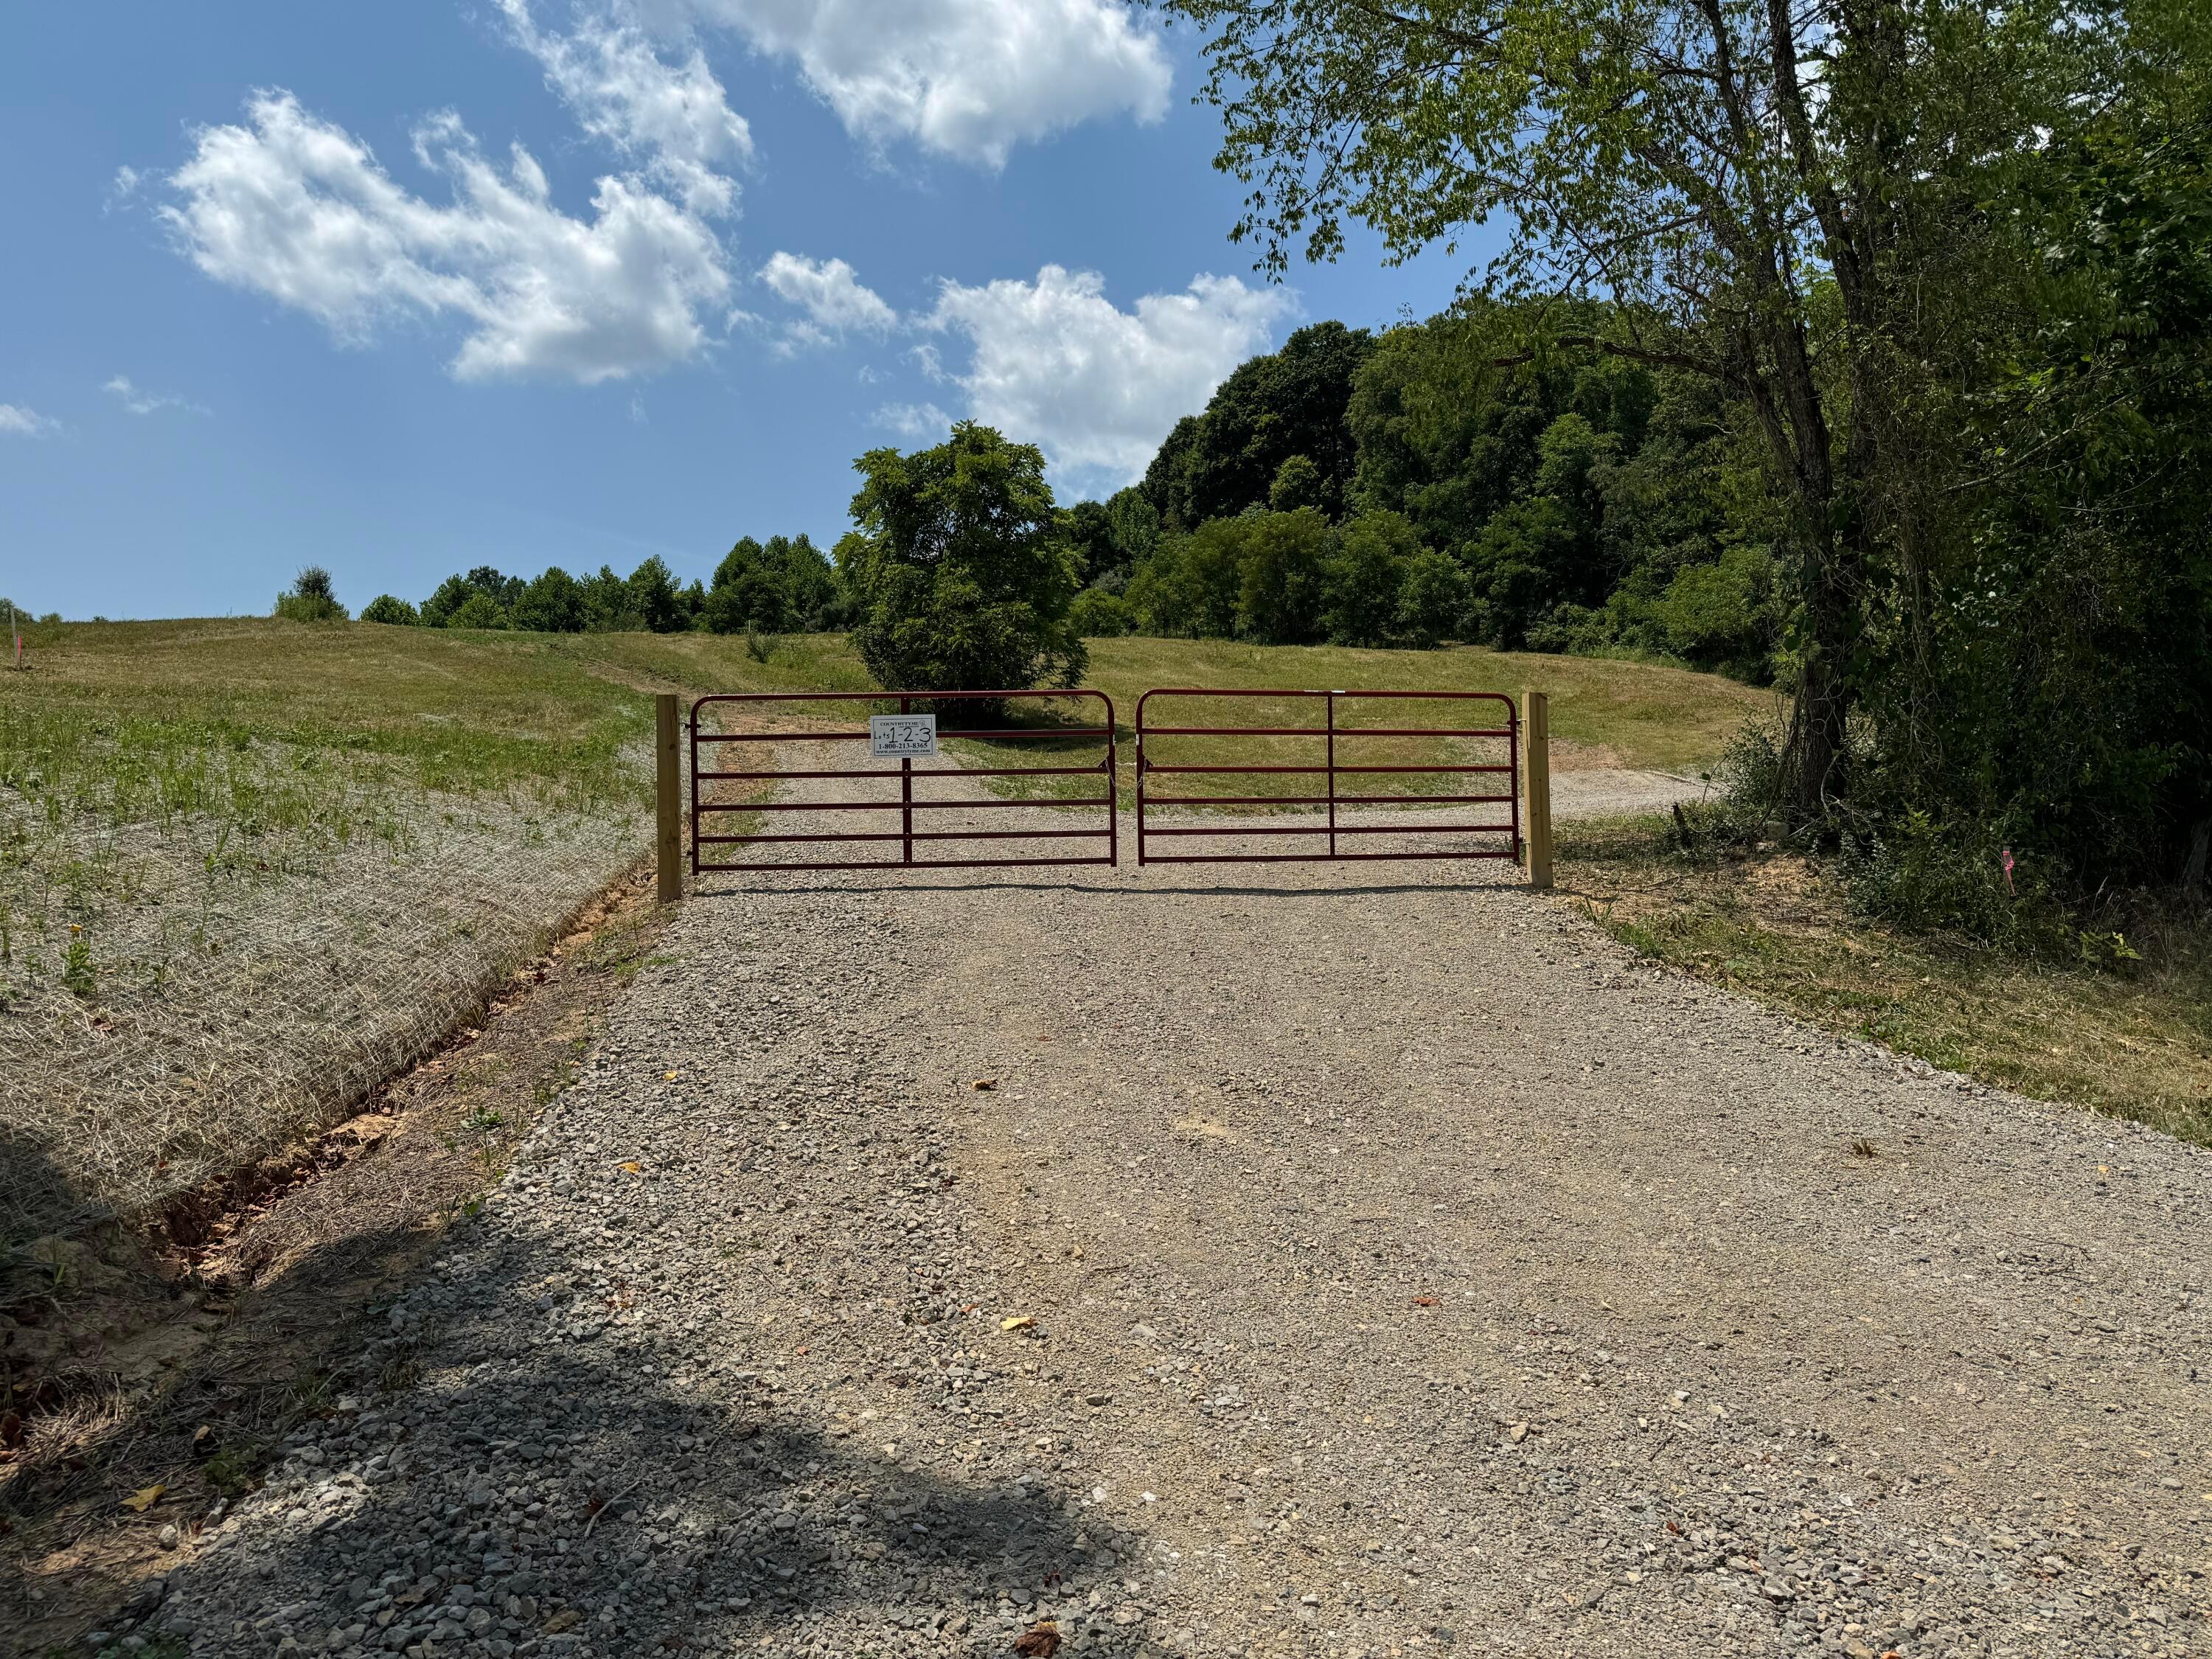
(17, 421)
(293, 207)
(140, 402)
(1055, 364)
(123, 188)
(832, 296)
(916, 422)
(967, 78)
(671, 119)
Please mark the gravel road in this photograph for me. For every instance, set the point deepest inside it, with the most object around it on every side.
(1330, 1260)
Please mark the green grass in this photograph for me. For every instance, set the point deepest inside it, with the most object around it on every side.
(2133, 1043)
(1604, 713)
(254, 722)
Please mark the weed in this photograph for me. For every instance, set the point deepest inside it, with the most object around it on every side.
(235, 1470)
(76, 964)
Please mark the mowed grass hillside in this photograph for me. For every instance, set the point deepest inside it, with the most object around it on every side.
(249, 868)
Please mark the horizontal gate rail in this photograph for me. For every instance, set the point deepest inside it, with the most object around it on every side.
(1329, 733)
(906, 836)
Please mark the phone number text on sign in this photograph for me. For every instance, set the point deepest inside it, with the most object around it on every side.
(902, 737)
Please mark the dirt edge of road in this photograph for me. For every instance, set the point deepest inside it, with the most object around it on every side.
(171, 1359)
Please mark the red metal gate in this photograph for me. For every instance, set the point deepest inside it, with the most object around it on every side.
(906, 803)
(1493, 840)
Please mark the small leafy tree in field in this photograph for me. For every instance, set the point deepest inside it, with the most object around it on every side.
(958, 569)
(312, 599)
(391, 609)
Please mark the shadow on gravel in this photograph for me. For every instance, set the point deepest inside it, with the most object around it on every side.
(615, 1496)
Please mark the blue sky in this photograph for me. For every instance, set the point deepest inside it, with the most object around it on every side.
(406, 289)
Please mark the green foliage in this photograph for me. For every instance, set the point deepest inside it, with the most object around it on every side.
(1283, 577)
(1097, 614)
(311, 598)
(394, 612)
(957, 568)
(552, 603)
(1110, 537)
(1375, 554)
(657, 600)
(1864, 343)
(1190, 587)
(478, 611)
(1288, 403)
(499, 592)
(1571, 504)
(785, 587)
(1298, 482)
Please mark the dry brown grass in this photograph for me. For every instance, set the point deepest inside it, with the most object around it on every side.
(2132, 1040)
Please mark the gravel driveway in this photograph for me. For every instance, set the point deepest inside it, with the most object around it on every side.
(1341, 1259)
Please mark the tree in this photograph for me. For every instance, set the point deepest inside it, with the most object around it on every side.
(957, 568)
(392, 612)
(656, 599)
(1373, 552)
(1764, 190)
(1433, 599)
(478, 610)
(1283, 579)
(1287, 402)
(553, 604)
(813, 600)
(748, 593)
(311, 598)
(498, 591)
(610, 606)
(1298, 482)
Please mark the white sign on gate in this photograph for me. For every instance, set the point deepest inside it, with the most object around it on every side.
(902, 737)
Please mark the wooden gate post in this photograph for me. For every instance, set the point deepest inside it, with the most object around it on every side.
(668, 800)
(1536, 735)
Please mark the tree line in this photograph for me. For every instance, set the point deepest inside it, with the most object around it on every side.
(1400, 490)
(783, 585)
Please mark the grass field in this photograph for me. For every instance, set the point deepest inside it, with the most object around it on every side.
(2134, 1043)
(1603, 713)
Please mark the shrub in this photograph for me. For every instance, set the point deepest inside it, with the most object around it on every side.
(312, 599)
(391, 610)
(957, 568)
(1099, 615)
(1432, 599)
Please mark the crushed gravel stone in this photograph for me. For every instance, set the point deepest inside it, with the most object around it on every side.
(1318, 1259)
